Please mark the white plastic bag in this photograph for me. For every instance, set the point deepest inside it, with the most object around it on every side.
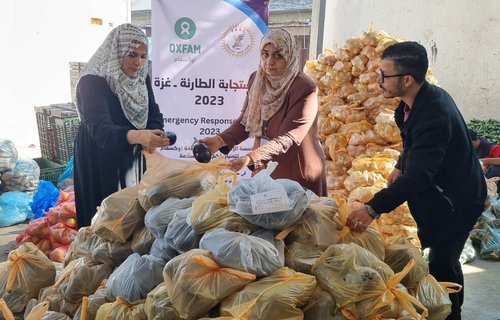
(241, 200)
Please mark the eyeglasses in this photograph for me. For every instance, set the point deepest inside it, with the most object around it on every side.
(383, 75)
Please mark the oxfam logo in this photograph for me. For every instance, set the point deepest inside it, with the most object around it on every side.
(185, 28)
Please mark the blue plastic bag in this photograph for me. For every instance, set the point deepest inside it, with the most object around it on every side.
(66, 178)
(45, 198)
(14, 208)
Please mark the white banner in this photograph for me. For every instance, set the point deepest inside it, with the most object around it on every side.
(203, 53)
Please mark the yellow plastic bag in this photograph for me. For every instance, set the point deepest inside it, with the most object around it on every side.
(158, 305)
(434, 296)
(119, 215)
(278, 297)
(142, 240)
(159, 167)
(196, 283)
(84, 308)
(202, 216)
(38, 311)
(370, 239)
(81, 277)
(317, 226)
(92, 303)
(57, 301)
(301, 256)
(177, 178)
(7, 314)
(210, 210)
(83, 244)
(26, 271)
(397, 256)
(382, 163)
(322, 306)
(362, 179)
(347, 270)
(121, 310)
(389, 300)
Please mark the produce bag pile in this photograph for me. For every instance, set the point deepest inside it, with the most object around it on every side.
(486, 233)
(54, 232)
(23, 177)
(17, 174)
(356, 125)
(23, 195)
(281, 268)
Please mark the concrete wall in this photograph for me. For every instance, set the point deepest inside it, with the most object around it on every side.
(461, 38)
(39, 39)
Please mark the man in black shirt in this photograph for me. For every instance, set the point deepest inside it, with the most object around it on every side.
(437, 173)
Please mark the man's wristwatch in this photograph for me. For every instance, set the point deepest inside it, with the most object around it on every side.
(372, 212)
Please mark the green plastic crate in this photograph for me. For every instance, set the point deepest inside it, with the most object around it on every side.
(49, 171)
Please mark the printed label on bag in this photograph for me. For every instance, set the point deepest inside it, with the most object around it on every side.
(269, 201)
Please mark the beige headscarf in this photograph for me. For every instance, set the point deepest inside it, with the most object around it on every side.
(107, 63)
(267, 94)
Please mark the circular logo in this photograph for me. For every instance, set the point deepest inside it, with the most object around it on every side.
(238, 40)
(185, 28)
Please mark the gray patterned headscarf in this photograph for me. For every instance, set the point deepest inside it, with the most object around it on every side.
(267, 94)
(107, 63)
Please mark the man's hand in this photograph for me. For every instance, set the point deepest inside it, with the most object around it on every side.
(487, 162)
(395, 174)
(359, 219)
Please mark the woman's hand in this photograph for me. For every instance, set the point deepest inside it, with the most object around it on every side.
(214, 143)
(149, 139)
(240, 163)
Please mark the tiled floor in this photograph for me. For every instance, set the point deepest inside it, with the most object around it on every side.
(482, 290)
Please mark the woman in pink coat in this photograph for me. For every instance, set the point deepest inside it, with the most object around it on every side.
(280, 114)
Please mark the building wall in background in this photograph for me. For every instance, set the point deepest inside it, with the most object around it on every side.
(460, 37)
(40, 40)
